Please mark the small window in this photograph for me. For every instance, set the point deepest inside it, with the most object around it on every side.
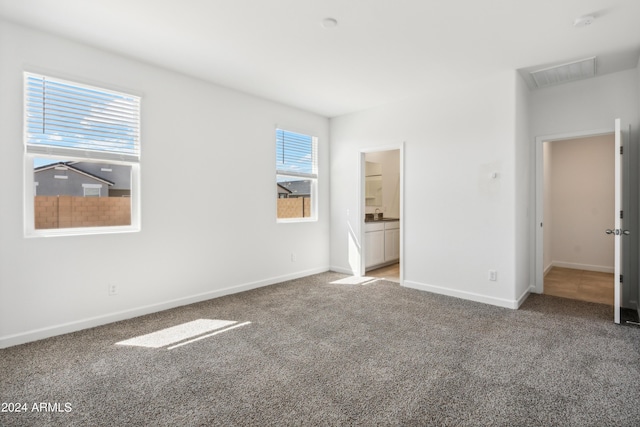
(82, 147)
(91, 190)
(296, 176)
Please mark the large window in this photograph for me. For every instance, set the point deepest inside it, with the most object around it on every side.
(296, 176)
(82, 158)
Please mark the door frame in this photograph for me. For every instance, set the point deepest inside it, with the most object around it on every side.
(361, 203)
(539, 218)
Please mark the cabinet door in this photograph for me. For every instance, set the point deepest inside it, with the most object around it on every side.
(392, 245)
(374, 248)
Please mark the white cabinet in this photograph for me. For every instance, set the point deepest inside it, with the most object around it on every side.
(373, 244)
(392, 243)
(381, 242)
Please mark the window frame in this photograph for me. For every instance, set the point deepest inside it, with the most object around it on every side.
(72, 154)
(313, 177)
(86, 187)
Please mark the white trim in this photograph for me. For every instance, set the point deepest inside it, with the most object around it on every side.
(82, 231)
(343, 270)
(64, 328)
(29, 229)
(577, 266)
(86, 187)
(470, 296)
(539, 194)
(80, 80)
(523, 297)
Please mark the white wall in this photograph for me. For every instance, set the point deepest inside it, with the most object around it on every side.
(390, 161)
(524, 186)
(194, 244)
(581, 194)
(458, 222)
(594, 104)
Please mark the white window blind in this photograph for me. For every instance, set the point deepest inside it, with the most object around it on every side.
(296, 154)
(64, 118)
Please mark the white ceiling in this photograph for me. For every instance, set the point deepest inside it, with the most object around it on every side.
(381, 50)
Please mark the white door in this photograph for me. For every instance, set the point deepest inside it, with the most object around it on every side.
(618, 231)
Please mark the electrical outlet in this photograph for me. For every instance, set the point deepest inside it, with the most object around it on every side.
(112, 289)
(293, 257)
(493, 275)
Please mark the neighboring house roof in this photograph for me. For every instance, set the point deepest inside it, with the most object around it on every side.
(283, 190)
(68, 166)
(297, 188)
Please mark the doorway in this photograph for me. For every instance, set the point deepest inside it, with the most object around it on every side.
(578, 198)
(625, 200)
(381, 207)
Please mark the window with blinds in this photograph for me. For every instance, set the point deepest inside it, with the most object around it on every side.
(296, 176)
(82, 148)
(71, 119)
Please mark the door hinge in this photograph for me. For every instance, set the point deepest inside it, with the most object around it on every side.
(621, 149)
(621, 215)
(621, 278)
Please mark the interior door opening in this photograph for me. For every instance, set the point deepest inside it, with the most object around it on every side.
(381, 213)
(579, 192)
(547, 229)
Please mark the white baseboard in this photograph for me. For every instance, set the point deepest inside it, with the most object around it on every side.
(523, 297)
(65, 328)
(471, 296)
(587, 267)
(342, 270)
(547, 269)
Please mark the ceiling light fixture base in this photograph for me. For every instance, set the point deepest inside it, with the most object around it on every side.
(583, 21)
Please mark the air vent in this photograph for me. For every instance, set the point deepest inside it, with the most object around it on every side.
(565, 73)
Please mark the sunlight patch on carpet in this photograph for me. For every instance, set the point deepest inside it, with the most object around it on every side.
(208, 335)
(354, 280)
(177, 333)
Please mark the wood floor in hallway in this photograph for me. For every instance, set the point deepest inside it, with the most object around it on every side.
(581, 285)
(390, 272)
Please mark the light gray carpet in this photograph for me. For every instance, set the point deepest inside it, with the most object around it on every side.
(318, 353)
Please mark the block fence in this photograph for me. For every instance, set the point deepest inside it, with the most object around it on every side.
(298, 207)
(74, 211)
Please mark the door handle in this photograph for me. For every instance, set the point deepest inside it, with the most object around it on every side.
(617, 232)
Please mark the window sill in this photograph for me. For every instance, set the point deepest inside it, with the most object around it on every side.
(80, 231)
(294, 220)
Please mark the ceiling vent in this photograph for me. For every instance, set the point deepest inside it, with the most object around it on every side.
(564, 73)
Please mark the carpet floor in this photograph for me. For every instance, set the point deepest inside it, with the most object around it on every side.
(323, 353)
